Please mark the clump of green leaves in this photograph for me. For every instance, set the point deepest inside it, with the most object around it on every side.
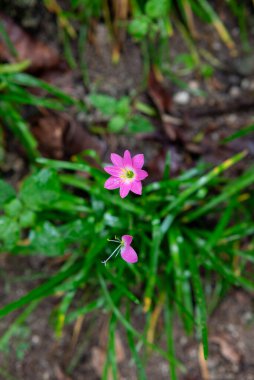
(183, 227)
(15, 95)
(151, 20)
(122, 114)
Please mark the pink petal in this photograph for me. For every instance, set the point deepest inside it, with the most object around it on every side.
(127, 161)
(115, 171)
(136, 187)
(128, 254)
(127, 239)
(124, 189)
(112, 183)
(138, 161)
(116, 159)
(141, 174)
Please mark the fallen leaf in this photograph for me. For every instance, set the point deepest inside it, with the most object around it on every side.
(41, 55)
(170, 131)
(203, 363)
(99, 353)
(98, 361)
(161, 96)
(60, 375)
(121, 9)
(3, 258)
(66, 80)
(193, 148)
(227, 349)
(60, 136)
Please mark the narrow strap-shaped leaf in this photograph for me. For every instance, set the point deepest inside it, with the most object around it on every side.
(199, 298)
(203, 181)
(218, 264)
(25, 79)
(154, 256)
(80, 183)
(7, 40)
(39, 292)
(5, 338)
(62, 311)
(182, 286)
(122, 288)
(129, 327)
(169, 323)
(233, 188)
(83, 310)
(19, 128)
(141, 375)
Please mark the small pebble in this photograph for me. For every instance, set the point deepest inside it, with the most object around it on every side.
(194, 85)
(234, 91)
(164, 369)
(247, 84)
(183, 340)
(81, 117)
(36, 339)
(235, 32)
(217, 45)
(232, 118)
(182, 97)
(247, 317)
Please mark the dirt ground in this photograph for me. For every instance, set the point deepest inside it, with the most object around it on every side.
(35, 353)
(203, 121)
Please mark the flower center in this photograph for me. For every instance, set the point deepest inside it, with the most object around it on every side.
(129, 174)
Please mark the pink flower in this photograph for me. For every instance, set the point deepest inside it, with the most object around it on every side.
(126, 173)
(127, 252)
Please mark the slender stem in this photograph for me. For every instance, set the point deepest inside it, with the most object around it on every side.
(105, 261)
(115, 241)
(118, 251)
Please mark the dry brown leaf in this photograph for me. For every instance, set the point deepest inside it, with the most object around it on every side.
(155, 317)
(76, 331)
(170, 131)
(121, 10)
(194, 148)
(41, 55)
(59, 136)
(120, 351)
(3, 258)
(203, 363)
(60, 375)
(99, 353)
(98, 361)
(161, 96)
(227, 349)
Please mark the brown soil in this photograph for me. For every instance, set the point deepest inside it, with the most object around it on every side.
(43, 357)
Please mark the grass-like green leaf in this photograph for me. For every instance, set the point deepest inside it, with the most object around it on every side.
(201, 311)
(39, 292)
(234, 187)
(202, 181)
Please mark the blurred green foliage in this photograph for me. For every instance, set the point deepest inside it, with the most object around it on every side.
(15, 94)
(150, 23)
(181, 229)
(122, 115)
